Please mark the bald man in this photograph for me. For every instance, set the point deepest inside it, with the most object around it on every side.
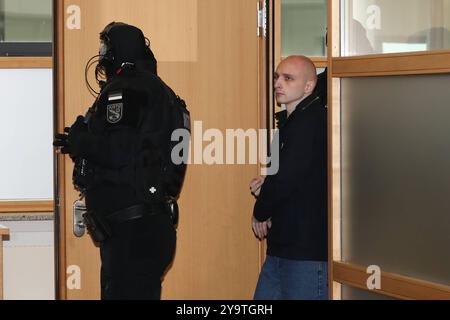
(291, 206)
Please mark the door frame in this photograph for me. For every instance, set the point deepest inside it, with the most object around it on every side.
(59, 165)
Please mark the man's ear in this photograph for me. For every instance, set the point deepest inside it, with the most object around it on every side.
(309, 87)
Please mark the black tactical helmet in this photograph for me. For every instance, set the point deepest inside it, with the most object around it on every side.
(123, 43)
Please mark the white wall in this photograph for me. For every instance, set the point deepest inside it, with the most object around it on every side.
(26, 134)
(28, 256)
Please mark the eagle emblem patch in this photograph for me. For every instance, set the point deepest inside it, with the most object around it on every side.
(114, 112)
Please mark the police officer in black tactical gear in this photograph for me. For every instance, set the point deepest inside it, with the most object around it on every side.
(121, 151)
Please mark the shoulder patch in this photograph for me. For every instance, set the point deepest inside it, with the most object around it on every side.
(114, 112)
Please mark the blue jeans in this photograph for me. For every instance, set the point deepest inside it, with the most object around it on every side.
(284, 279)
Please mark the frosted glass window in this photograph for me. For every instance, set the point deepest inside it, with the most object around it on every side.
(303, 27)
(396, 174)
(392, 26)
(26, 20)
(26, 134)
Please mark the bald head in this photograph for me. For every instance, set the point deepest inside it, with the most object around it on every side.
(302, 64)
(295, 79)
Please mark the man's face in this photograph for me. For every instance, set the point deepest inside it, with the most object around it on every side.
(290, 83)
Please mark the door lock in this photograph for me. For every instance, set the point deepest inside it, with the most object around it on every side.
(79, 209)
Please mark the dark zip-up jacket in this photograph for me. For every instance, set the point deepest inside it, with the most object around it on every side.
(295, 198)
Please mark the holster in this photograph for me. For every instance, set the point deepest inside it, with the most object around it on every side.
(97, 227)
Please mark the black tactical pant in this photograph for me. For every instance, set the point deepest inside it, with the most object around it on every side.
(135, 258)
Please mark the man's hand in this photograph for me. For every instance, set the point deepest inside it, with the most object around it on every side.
(255, 185)
(261, 229)
(69, 141)
(61, 141)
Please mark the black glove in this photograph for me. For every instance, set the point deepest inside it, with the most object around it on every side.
(61, 141)
(70, 141)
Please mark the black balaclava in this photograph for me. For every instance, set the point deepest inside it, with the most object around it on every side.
(124, 43)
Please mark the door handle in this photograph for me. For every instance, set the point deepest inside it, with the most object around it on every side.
(79, 209)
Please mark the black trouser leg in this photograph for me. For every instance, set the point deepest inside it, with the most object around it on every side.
(135, 258)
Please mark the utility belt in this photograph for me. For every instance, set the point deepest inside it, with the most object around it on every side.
(136, 212)
(99, 226)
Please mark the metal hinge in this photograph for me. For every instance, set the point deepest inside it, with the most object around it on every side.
(262, 19)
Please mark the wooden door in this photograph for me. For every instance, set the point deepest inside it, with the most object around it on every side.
(208, 52)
